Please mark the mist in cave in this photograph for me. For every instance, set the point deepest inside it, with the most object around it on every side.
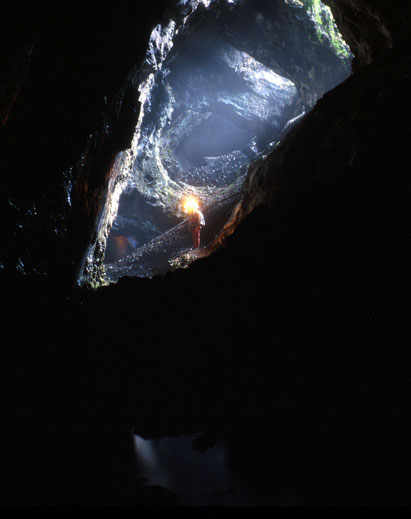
(210, 110)
(276, 370)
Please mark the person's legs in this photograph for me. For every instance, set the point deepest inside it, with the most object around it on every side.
(196, 237)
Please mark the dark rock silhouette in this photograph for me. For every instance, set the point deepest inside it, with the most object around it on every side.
(290, 342)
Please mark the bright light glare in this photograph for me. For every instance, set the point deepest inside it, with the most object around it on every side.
(190, 204)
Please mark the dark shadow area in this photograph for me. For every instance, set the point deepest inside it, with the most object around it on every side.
(289, 346)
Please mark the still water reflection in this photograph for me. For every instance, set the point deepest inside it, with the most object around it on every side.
(196, 478)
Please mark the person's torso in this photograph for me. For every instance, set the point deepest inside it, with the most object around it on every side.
(197, 219)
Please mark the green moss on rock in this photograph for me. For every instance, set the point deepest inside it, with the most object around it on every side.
(326, 29)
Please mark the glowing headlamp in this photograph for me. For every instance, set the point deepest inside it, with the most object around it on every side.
(190, 204)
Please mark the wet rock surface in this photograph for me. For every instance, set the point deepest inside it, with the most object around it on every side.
(310, 57)
(174, 248)
(291, 344)
(70, 119)
(219, 171)
(270, 181)
(371, 27)
(220, 96)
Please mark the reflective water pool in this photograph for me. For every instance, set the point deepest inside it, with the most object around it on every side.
(199, 479)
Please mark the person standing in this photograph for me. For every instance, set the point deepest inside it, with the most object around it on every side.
(196, 222)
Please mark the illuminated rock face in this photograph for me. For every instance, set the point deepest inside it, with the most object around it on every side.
(69, 82)
(57, 91)
(215, 111)
(311, 54)
(221, 101)
(216, 102)
(292, 341)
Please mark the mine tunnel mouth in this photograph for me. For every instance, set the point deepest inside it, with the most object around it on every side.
(209, 110)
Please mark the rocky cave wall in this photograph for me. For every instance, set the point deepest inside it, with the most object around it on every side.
(65, 119)
(323, 393)
(60, 107)
(212, 112)
(371, 27)
(310, 56)
(269, 181)
(208, 92)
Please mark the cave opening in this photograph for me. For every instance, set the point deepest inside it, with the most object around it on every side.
(223, 82)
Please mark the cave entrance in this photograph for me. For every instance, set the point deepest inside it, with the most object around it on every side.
(226, 84)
